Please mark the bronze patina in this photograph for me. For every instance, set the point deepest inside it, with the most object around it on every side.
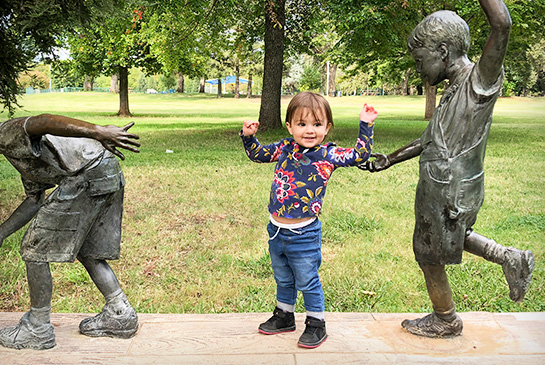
(450, 189)
(80, 219)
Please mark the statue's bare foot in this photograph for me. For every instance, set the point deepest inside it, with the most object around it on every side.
(27, 336)
(434, 326)
(518, 267)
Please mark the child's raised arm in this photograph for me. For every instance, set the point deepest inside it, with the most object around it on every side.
(368, 114)
(249, 127)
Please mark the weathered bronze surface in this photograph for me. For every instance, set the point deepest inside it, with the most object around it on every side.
(80, 219)
(450, 189)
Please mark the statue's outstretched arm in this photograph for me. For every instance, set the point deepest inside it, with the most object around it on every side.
(382, 161)
(110, 136)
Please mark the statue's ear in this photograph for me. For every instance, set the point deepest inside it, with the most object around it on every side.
(443, 49)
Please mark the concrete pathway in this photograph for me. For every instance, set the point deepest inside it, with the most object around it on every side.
(354, 338)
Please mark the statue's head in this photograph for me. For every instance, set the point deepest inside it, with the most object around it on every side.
(441, 27)
(438, 40)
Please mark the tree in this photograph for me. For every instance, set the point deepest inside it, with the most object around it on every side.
(63, 75)
(310, 79)
(114, 83)
(275, 21)
(245, 40)
(114, 46)
(377, 30)
(287, 25)
(183, 35)
(322, 46)
(29, 28)
(374, 33)
(253, 64)
(538, 60)
(219, 68)
(35, 79)
(294, 67)
(526, 45)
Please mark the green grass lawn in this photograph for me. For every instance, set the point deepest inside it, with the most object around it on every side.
(194, 238)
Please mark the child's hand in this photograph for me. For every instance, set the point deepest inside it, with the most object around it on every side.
(368, 113)
(249, 128)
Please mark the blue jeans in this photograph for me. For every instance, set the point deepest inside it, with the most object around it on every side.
(296, 256)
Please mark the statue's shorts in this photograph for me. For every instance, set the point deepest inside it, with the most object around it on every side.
(445, 209)
(80, 218)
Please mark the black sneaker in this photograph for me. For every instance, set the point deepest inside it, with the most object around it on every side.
(280, 322)
(314, 333)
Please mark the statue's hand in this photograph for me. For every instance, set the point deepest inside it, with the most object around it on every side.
(113, 137)
(379, 163)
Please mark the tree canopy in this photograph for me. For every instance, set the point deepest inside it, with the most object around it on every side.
(29, 28)
(365, 40)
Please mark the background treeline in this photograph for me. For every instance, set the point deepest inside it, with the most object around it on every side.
(344, 46)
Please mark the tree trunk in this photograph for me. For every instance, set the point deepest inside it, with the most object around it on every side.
(124, 92)
(114, 84)
(201, 85)
(181, 82)
(405, 83)
(431, 95)
(249, 89)
(332, 76)
(237, 82)
(88, 83)
(269, 112)
(219, 88)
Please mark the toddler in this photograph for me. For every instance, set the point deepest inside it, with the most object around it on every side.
(303, 168)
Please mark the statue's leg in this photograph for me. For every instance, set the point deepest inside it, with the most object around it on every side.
(102, 275)
(443, 321)
(34, 330)
(118, 318)
(517, 265)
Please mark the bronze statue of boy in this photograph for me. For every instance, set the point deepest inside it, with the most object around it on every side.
(450, 189)
(80, 219)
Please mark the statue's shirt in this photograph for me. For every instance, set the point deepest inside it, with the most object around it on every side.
(450, 189)
(461, 123)
(45, 161)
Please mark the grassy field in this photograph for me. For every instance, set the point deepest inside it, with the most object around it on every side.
(194, 238)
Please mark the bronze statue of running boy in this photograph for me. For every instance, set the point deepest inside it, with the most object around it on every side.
(450, 189)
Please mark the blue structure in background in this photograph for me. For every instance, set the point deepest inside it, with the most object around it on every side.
(227, 80)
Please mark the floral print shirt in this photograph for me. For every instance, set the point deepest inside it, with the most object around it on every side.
(301, 174)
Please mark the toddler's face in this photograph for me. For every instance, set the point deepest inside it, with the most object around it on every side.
(307, 127)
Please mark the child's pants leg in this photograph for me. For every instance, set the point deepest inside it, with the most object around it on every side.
(305, 260)
(283, 274)
(296, 257)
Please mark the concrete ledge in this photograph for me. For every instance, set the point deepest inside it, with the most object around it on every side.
(360, 338)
